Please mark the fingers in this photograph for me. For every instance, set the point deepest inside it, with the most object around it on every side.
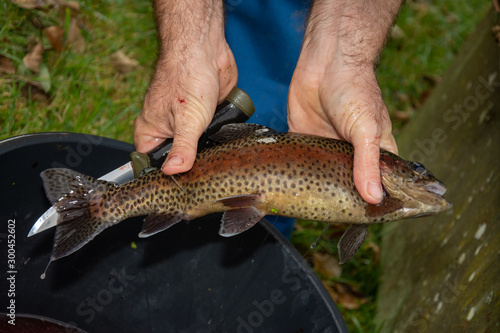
(389, 143)
(361, 117)
(179, 114)
(180, 104)
(183, 119)
(146, 137)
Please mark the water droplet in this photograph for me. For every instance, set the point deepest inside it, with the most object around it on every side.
(471, 314)
(45, 271)
(461, 259)
(480, 231)
(439, 306)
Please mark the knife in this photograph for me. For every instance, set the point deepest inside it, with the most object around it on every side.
(236, 108)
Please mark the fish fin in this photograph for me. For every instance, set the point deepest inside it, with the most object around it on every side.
(236, 221)
(238, 201)
(231, 132)
(58, 182)
(351, 241)
(74, 196)
(155, 223)
(242, 213)
(388, 205)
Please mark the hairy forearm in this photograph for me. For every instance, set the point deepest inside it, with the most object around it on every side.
(348, 32)
(189, 25)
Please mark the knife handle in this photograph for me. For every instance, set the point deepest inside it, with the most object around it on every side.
(236, 108)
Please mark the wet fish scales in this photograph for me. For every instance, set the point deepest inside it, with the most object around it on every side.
(253, 172)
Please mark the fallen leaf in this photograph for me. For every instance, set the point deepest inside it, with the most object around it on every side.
(122, 63)
(44, 78)
(34, 91)
(33, 59)
(397, 33)
(26, 4)
(423, 97)
(327, 265)
(349, 298)
(55, 35)
(402, 115)
(433, 79)
(452, 18)
(73, 6)
(330, 290)
(34, 4)
(496, 32)
(6, 65)
(376, 251)
(345, 295)
(74, 39)
(298, 227)
(402, 97)
(421, 9)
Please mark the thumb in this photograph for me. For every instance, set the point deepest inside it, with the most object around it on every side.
(189, 126)
(181, 156)
(366, 171)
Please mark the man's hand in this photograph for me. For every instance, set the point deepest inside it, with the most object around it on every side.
(196, 70)
(334, 91)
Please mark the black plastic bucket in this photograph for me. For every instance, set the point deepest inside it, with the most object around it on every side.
(186, 279)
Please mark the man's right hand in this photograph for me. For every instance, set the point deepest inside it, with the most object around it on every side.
(196, 70)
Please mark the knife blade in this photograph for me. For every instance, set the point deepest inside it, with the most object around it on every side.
(236, 108)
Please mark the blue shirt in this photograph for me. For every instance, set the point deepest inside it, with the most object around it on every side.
(266, 37)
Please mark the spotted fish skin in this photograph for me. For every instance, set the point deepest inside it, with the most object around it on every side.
(252, 172)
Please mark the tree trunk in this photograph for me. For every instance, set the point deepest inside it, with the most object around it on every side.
(442, 273)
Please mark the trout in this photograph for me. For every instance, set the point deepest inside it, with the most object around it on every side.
(251, 172)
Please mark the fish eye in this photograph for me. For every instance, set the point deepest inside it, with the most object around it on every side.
(418, 168)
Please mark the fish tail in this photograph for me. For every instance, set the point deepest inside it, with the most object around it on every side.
(77, 199)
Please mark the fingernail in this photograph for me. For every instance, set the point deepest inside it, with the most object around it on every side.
(174, 161)
(375, 191)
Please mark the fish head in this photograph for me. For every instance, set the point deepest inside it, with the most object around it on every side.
(420, 193)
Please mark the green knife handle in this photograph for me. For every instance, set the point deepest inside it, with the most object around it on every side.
(236, 108)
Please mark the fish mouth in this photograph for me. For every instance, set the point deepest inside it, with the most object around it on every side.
(434, 196)
(427, 197)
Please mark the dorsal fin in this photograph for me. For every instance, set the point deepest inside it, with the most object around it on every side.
(231, 132)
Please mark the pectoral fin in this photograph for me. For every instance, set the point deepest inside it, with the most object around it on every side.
(155, 223)
(388, 205)
(351, 241)
(242, 214)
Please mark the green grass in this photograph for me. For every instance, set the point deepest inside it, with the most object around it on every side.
(433, 35)
(87, 95)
